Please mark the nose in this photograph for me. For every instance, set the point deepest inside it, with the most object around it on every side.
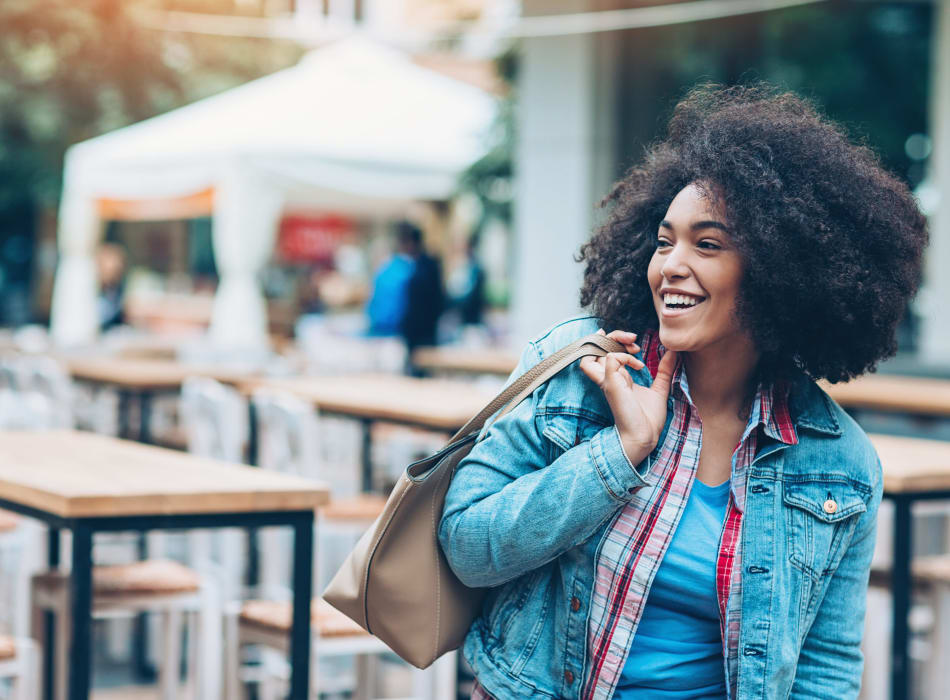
(676, 263)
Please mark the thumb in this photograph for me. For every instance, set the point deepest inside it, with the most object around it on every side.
(664, 374)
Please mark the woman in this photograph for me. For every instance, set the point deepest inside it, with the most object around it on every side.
(695, 517)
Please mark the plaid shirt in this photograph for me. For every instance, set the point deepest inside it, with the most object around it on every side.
(636, 542)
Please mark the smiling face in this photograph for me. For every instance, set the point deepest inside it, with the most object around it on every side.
(694, 276)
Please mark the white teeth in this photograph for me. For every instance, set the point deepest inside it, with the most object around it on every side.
(680, 299)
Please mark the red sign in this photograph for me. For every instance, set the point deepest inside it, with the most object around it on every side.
(311, 238)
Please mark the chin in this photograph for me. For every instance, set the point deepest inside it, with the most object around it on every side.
(671, 340)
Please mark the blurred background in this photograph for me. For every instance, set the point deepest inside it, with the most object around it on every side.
(318, 187)
(566, 101)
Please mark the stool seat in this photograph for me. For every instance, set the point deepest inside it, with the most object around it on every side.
(8, 521)
(276, 616)
(933, 569)
(149, 577)
(7, 648)
(361, 507)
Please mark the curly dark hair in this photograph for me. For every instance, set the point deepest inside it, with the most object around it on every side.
(831, 243)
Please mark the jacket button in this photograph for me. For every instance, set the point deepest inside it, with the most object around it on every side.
(830, 507)
(575, 604)
(569, 677)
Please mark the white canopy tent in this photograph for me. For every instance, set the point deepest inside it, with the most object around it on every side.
(354, 127)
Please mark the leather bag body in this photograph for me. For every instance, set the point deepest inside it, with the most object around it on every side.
(396, 583)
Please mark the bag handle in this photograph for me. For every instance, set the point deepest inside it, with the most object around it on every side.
(512, 395)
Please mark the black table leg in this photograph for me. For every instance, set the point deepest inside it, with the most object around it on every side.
(900, 663)
(253, 549)
(367, 455)
(80, 656)
(52, 560)
(145, 417)
(143, 668)
(125, 401)
(302, 593)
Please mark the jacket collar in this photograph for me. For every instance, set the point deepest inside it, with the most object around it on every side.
(811, 408)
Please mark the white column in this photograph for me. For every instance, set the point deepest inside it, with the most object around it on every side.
(564, 161)
(246, 215)
(74, 317)
(935, 331)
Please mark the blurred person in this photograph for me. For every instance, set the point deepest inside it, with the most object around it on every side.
(111, 265)
(425, 293)
(468, 287)
(640, 514)
(311, 301)
(387, 304)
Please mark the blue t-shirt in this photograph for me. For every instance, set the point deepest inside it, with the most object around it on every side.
(677, 649)
(387, 305)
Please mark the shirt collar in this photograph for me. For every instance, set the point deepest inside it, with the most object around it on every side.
(769, 406)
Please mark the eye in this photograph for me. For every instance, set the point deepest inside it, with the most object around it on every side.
(709, 245)
(662, 243)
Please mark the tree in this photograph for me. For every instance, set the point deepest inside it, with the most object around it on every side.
(74, 69)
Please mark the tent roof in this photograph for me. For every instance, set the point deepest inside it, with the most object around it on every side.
(354, 117)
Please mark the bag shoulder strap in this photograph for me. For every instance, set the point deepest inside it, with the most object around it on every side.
(524, 386)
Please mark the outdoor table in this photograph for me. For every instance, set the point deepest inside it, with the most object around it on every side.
(142, 379)
(92, 483)
(433, 404)
(889, 393)
(470, 360)
(914, 470)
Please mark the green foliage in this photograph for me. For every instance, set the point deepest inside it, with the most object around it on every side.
(73, 69)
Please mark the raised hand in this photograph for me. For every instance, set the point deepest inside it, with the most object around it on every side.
(639, 411)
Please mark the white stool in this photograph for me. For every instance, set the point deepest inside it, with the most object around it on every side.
(156, 586)
(268, 623)
(19, 662)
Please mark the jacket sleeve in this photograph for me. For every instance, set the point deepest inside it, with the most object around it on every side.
(830, 662)
(509, 511)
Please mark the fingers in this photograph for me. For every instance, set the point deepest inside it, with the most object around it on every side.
(600, 369)
(664, 374)
(626, 338)
(622, 358)
(593, 368)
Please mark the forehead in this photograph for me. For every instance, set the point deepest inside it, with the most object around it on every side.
(694, 202)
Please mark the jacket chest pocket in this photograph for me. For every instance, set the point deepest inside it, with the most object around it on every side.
(562, 431)
(820, 517)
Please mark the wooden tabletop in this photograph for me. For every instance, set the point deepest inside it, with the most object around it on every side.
(430, 403)
(474, 360)
(77, 474)
(145, 374)
(913, 464)
(893, 393)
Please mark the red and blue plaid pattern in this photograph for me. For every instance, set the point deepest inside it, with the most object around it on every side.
(637, 540)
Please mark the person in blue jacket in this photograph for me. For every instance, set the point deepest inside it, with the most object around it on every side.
(694, 517)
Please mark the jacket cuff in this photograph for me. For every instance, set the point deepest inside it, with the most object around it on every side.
(621, 478)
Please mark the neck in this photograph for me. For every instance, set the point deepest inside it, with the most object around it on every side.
(720, 378)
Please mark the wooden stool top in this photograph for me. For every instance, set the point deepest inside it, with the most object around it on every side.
(149, 577)
(366, 507)
(7, 648)
(274, 615)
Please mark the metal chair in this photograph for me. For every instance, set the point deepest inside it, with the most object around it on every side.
(215, 420)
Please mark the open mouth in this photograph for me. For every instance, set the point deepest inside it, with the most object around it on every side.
(681, 302)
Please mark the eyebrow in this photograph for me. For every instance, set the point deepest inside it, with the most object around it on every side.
(698, 225)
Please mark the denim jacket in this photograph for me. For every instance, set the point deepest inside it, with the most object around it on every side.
(528, 508)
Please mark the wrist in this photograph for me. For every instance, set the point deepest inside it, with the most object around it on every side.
(635, 450)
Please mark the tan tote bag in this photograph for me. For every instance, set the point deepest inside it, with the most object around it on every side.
(396, 583)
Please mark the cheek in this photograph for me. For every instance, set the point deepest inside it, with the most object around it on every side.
(653, 272)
